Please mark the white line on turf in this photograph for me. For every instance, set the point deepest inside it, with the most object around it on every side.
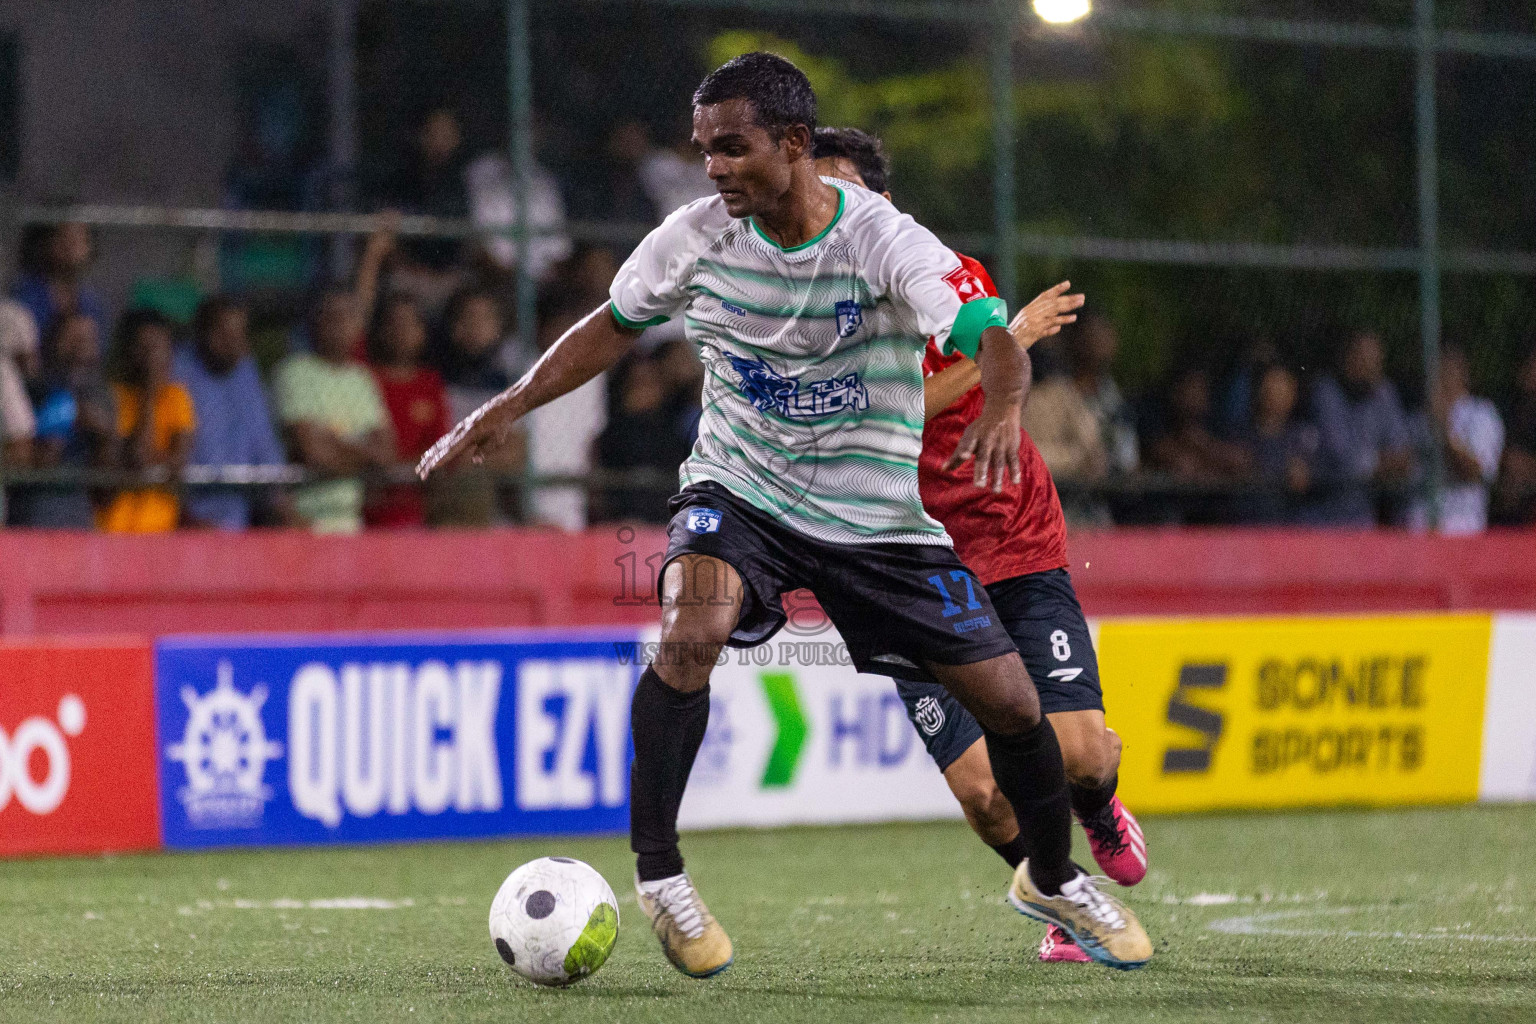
(1221, 899)
(337, 903)
(1274, 923)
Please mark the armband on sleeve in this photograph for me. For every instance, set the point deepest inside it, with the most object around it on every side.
(974, 318)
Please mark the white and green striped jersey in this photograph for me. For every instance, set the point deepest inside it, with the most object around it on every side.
(813, 389)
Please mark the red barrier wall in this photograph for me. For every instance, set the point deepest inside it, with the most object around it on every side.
(209, 582)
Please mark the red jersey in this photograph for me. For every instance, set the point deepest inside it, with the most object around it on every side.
(418, 410)
(997, 536)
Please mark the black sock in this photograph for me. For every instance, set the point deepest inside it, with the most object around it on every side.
(1089, 802)
(668, 727)
(1029, 771)
(1013, 851)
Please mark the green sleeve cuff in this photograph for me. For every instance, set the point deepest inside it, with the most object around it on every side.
(974, 317)
(635, 325)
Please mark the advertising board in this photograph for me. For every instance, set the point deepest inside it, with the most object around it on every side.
(360, 738)
(1255, 713)
(77, 763)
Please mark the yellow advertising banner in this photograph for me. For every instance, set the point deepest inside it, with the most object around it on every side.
(1235, 713)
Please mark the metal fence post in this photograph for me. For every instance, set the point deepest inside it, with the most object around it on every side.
(520, 73)
(341, 75)
(1004, 178)
(1429, 235)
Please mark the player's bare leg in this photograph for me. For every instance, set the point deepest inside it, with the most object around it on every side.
(1027, 765)
(987, 811)
(1093, 768)
(701, 602)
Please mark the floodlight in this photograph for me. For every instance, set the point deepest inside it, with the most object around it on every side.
(1062, 12)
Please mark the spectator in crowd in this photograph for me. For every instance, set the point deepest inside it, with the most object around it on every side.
(52, 261)
(1363, 431)
(1091, 349)
(1470, 436)
(18, 365)
(76, 426)
(334, 419)
(1238, 394)
(492, 193)
(430, 180)
(641, 435)
(1516, 495)
(1281, 445)
(610, 187)
(1186, 450)
(478, 362)
(1184, 447)
(417, 403)
(674, 177)
(682, 376)
(561, 434)
(234, 421)
(1070, 437)
(155, 424)
(276, 166)
(370, 272)
(474, 355)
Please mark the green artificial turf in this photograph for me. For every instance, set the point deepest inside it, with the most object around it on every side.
(1351, 916)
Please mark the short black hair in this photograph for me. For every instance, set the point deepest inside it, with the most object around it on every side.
(210, 310)
(129, 326)
(779, 92)
(861, 149)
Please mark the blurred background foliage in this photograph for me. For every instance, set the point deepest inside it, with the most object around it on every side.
(1119, 136)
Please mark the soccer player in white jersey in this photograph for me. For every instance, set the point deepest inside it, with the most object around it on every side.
(811, 305)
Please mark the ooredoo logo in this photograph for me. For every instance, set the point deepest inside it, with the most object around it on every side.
(77, 748)
(35, 740)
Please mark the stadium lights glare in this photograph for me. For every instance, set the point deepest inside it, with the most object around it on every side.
(1062, 12)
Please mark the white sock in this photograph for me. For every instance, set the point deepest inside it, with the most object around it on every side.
(652, 888)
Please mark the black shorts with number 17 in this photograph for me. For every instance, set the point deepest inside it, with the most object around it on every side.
(1041, 613)
(897, 606)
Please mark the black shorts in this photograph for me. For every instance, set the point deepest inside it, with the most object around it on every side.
(897, 606)
(1042, 615)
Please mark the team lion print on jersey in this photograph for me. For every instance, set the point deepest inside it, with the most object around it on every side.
(770, 391)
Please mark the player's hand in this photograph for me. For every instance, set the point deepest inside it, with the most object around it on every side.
(1050, 311)
(477, 434)
(992, 440)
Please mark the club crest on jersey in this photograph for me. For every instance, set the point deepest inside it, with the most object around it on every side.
(850, 317)
(703, 520)
(965, 283)
(769, 391)
(930, 716)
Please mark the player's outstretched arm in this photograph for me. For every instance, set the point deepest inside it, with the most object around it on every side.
(992, 439)
(1050, 311)
(582, 352)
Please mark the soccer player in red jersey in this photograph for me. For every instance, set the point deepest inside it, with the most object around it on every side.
(1015, 541)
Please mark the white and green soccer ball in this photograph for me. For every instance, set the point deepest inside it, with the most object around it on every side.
(554, 920)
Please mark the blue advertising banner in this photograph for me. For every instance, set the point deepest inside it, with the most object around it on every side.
(303, 739)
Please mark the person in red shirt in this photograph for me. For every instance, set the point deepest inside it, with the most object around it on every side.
(417, 402)
(1014, 538)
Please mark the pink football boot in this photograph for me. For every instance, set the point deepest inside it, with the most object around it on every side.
(1118, 846)
(1058, 948)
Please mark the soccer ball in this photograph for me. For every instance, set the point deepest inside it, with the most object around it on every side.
(554, 920)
